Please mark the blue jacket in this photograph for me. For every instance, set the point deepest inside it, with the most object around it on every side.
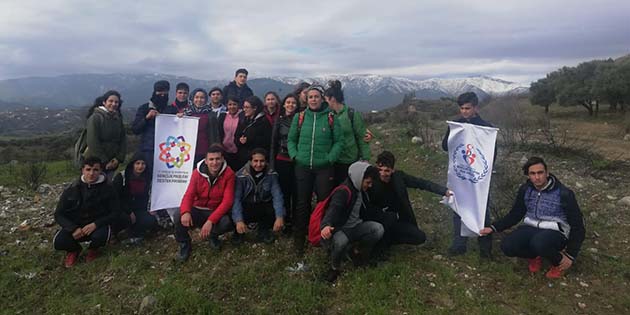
(247, 191)
(146, 128)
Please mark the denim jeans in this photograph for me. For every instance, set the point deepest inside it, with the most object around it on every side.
(367, 233)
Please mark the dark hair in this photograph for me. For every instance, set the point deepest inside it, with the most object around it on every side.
(101, 99)
(215, 148)
(334, 90)
(191, 97)
(160, 86)
(257, 151)
(301, 87)
(91, 161)
(182, 86)
(241, 70)
(275, 95)
(386, 159)
(371, 172)
(468, 97)
(234, 99)
(283, 112)
(533, 161)
(256, 102)
(216, 88)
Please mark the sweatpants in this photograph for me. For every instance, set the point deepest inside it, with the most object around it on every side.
(199, 218)
(366, 233)
(308, 181)
(530, 242)
(63, 239)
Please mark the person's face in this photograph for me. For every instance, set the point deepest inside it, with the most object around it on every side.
(290, 104)
(214, 161)
(366, 184)
(215, 97)
(314, 99)
(240, 79)
(467, 110)
(199, 99)
(91, 172)
(181, 95)
(271, 102)
(538, 175)
(232, 107)
(139, 166)
(258, 162)
(303, 96)
(111, 103)
(248, 109)
(385, 173)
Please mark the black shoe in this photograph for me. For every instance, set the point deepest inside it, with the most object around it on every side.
(265, 236)
(331, 275)
(185, 248)
(455, 251)
(215, 242)
(237, 239)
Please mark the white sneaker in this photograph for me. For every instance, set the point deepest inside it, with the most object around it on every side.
(299, 267)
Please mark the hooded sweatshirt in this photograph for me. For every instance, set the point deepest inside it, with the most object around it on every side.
(205, 192)
(133, 190)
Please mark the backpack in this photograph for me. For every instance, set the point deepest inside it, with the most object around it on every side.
(80, 147)
(314, 232)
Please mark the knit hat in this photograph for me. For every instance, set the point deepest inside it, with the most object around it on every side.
(161, 86)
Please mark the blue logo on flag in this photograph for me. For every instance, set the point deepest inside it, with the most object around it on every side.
(469, 163)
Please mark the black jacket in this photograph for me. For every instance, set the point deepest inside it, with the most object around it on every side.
(280, 137)
(476, 120)
(400, 182)
(241, 93)
(146, 128)
(81, 204)
(257, 132)
(121, 183)
(339, 209)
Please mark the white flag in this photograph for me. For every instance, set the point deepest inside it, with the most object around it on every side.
(471, 157)
(173, 159)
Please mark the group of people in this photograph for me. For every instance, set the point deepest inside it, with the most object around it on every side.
(258, 165)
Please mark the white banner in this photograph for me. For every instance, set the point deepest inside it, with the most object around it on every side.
(471, 157)
(173, 159)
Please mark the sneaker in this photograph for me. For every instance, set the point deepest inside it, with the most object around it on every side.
(300, 266)
(535, 264)
(71, 259)
(185, 248)
(237, 239)
(133, 241)
(91, 255)
(554, 273)
(265, 236)
(215, 242)
(331, 275)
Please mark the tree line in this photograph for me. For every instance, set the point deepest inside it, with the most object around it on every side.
(588, 84)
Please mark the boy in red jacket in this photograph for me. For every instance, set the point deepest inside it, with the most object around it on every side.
(206, 203)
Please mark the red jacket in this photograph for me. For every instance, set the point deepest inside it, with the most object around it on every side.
(216, 196)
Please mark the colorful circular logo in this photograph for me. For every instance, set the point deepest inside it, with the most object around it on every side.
(175, 151)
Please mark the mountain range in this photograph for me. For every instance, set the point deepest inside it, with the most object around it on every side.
(363, 91)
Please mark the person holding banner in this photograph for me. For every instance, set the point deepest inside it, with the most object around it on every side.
(553, 227)
(468, 110)
(206, 203)
(208, 128)
(257, 198)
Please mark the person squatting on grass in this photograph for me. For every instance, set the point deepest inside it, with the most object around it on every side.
(389, 194)
(85, 212)
(206, 203)
(257, 198)
(553, 227)
(351, 222)
(468, 110)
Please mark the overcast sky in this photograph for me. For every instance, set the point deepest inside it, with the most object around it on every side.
(514, 40)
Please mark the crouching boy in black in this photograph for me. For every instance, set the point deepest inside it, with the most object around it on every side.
(85, 211)
(348, 222)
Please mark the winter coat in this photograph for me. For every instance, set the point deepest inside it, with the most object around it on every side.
(258, 134)
(555, 203)
(204, 193)
(247, 191)
(280, 139)
(475, 120)
(146, 128)
(241, 93)
(354, 148)
(399, 182)
(314, 144)
(207, 129)
(105, 135)
(81, 204)
(122, 183)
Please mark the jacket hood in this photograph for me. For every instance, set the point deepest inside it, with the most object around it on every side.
(101, 179)
(202, 168)
(136, 157)
(356, 171)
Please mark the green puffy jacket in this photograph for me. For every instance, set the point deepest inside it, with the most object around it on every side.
(106, 137)
(354, 148)
(316, 145)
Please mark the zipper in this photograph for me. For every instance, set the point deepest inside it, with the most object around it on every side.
(537, 201)
(313, 138)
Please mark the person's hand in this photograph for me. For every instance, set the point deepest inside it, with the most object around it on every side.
(132, 216)
(448, 193)
(327, 232)
(241, 227)
(88, 229)
(565, 263)
(186, 220)
(206, 229)
(278, 224)
(242, 139)
(151, 114)
(368, 135)
(78, 233)
(180, 114)
(112, 164)
(485, 231)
